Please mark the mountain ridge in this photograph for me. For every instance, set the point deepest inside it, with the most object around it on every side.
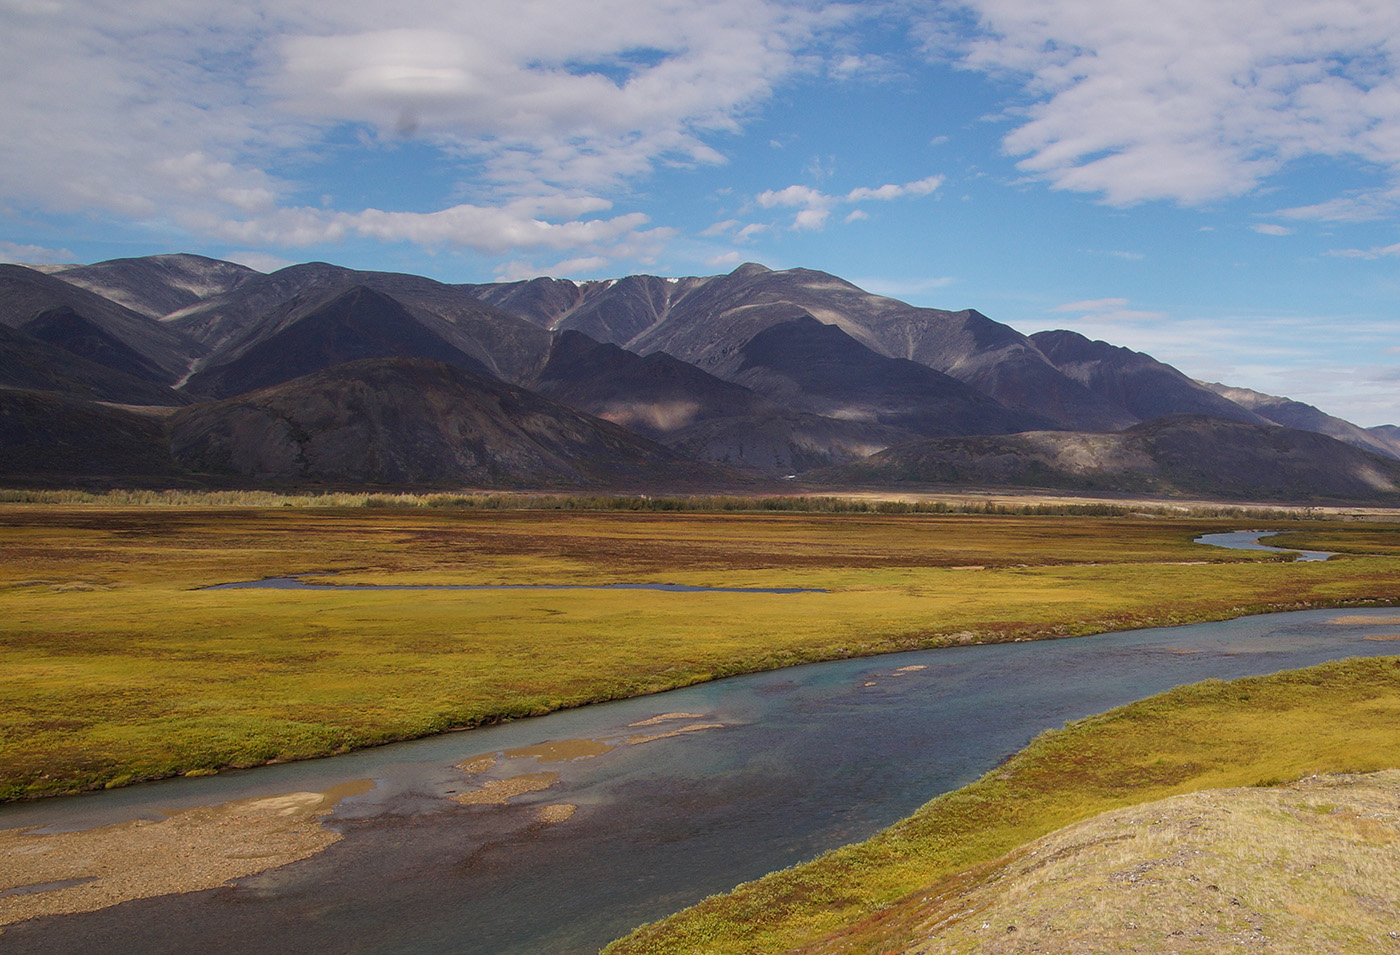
(775, 372)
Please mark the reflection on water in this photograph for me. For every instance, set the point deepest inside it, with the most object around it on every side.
(776, 768)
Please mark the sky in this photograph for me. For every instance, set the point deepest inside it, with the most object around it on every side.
(1216, 184)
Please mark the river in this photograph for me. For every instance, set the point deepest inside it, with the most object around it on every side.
(780, 767)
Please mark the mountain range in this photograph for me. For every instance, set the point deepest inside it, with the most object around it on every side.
(183, 368)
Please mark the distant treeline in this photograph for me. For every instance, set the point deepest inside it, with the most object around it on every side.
(701, 504)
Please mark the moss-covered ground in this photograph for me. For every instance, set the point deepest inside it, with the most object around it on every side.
(119, 667)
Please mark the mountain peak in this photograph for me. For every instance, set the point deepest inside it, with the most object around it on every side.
(749, 269)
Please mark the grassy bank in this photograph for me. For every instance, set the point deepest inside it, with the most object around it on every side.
(872, 897)
(118, 667)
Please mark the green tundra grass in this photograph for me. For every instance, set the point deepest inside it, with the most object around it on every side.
(119, 667)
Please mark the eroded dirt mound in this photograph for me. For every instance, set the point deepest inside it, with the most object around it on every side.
(1309, 867)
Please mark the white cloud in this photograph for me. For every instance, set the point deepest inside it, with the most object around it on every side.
(183, 116)
(1092, 305)
(1359, 207)
(720, 228)
(1269, 228)
(579, 267)
(1372, 253)
(908, 290)
(1107, 312)
(815, 206)
(1189, 101)
(33, 254)
(571, 103)
(863, 65)
(793, 196)
(573, 268)
(922, 187)
(521, 224)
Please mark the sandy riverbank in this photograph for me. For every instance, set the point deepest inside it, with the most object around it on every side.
(190, 850)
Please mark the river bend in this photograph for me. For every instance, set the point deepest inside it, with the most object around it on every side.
(772, 769)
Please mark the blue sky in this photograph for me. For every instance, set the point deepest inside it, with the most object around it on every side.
(1215, 184)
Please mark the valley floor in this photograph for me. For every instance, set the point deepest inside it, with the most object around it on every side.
(120, 667)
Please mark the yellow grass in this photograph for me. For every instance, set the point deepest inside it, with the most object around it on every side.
(118, 667)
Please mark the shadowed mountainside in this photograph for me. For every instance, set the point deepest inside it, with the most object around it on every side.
(655, 395)
(409, 421)
(29, 363)
(52, 437)
(1296, 414)
(26, 295)
(784, 444)
(808, 366)
(1388, 434)
(1138, 383)
(1176, 455)
(64, 328)
(509, 347)
(776, 372)
(309, 335)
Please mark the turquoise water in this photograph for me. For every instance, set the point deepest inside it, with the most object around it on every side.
(803, 760)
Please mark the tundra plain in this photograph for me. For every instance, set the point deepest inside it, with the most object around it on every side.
(121, 667)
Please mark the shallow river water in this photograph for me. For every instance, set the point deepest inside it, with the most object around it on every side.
(787, 765)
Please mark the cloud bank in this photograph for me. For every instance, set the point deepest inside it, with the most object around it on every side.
(1191, 101)
(193, 116)
(219, 120)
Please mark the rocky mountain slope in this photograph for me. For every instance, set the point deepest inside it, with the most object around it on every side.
(1138, 383)
(156, 285)
(314, 332)
(1189, 455)
(31, 363)
(656, 395)
(810, 366)
(27, 296)
(49, 438)
(1388, 434)
(774, 372)
(413, 421)
(1296, 414)
(704, 321)
(229, 324)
